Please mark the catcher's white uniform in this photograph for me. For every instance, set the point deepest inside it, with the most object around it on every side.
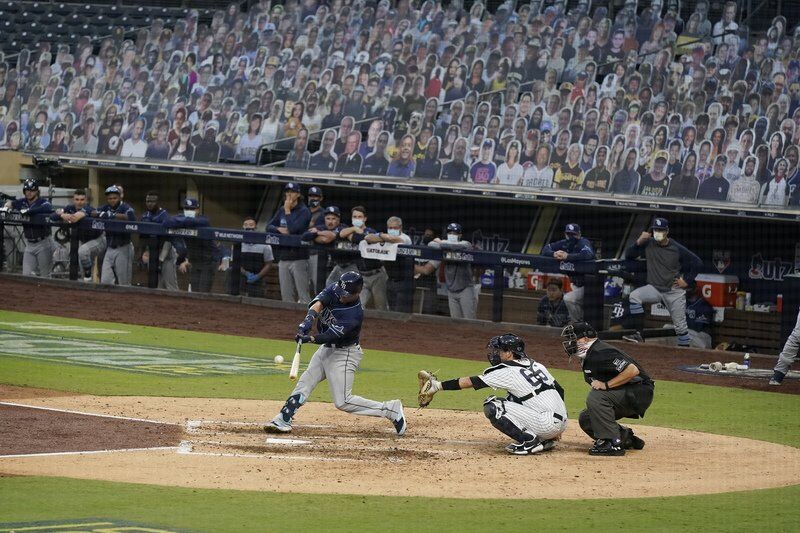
(533, 403)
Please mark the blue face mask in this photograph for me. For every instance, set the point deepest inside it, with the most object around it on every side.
(571, 238)
(393, 232)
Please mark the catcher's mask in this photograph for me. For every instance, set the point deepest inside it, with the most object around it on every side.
(572, 333)
(505, 343)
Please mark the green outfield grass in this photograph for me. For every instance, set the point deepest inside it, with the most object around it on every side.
(758, 415)
(27, 499)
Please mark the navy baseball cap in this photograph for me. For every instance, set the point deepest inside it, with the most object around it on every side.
(454, 227)
(30, 185)
(191, 203)
(315, 191)
(572, 228)
(349, 283)
(660, 223)
(113, 190)
(292, 187)
(333, 210)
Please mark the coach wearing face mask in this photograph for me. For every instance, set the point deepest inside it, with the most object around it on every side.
(671, 269)
(572, 248)
(400, 286)
(257, 261)
(461, 294)
(198, 257)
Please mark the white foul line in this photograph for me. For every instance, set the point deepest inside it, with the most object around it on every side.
(48, 454)
(12, 404)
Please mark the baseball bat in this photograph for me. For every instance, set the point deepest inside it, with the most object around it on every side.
(295, 362)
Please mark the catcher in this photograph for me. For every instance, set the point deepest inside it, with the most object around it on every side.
(533, 414)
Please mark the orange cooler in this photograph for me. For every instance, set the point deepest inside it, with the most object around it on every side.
(718, 290)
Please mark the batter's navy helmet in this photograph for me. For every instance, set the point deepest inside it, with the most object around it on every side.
(30, 185)
(349, 283)
(505, 343)
(113, 189)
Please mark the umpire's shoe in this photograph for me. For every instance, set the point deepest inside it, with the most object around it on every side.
(630, 440)
(278, 425)
(607, 447)
(530, 447)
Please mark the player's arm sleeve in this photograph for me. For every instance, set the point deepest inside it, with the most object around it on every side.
(130, 214)
(585, 253)
(43, 208)
(690, 264)
(634, 251)
(274, 222)
(477, 382)
(297, 223)
(548, 250)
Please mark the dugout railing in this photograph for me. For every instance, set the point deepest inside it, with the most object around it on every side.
(594, 272)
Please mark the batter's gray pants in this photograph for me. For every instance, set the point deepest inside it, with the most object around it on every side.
(790, 349)
(293, 276)
(38, 258)
(675, 302)
(88, 251)
(375, 290)
(118, 265)
(337, 271)
(574, 302)
(167, 277)
(338, 366)
(463, 304)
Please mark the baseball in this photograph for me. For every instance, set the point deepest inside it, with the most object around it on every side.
(278, 359)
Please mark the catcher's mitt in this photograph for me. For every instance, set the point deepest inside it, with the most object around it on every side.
(428, 386)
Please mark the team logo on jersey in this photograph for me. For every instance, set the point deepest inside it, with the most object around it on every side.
(722, 260)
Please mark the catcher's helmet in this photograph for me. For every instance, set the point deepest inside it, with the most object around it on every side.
(505, 343)
(349, 283)
(30, 185)
(573, 332)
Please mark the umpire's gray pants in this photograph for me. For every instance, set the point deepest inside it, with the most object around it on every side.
(88, 251)
(38, 258)
(118, 265)
(675, 302)
(574, 302)
(338, 366)
(167, 277)
(293, 277)
(603, 409)
(337, 272)
(375, 290)
(463, 304)
(790, 349)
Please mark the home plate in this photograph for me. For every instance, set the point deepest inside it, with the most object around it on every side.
(288, 442)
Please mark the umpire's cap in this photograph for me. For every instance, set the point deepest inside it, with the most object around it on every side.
(454, 227)
(191, 203)
(113, 190)
(660, 223)
(30, 185)
(349, 283)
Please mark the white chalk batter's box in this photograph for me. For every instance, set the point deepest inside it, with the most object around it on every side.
(752, 373)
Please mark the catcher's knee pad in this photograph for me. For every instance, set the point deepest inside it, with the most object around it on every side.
(493, 408)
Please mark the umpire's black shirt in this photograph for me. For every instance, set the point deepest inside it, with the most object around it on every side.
(603, 362)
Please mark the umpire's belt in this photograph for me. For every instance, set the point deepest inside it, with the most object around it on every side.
(339, 345)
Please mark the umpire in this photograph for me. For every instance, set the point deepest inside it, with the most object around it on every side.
(620, 389)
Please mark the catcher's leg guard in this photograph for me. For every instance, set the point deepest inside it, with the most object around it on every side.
(292, 404)
(493, 409)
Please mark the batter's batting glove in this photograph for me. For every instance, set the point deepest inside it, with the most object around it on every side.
(305, 339)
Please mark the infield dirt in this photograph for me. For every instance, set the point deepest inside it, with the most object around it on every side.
(444, 454)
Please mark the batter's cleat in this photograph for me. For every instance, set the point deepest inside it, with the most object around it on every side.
(777, 378)
(400, 423)
(607, 447)
(278, 425)
(634, 337)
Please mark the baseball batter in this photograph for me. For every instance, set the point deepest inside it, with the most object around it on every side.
(533, 413)
(338, 314)
(788, 355)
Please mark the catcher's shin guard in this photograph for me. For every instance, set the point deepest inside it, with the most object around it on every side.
(292, 404)
(493, 409)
